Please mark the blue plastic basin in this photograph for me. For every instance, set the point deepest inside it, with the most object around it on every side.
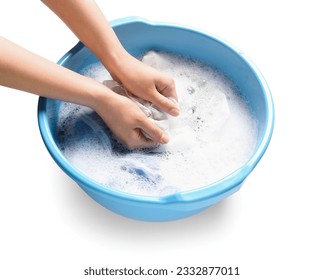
(138, 36)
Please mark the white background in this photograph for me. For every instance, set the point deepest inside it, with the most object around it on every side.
(271, 229)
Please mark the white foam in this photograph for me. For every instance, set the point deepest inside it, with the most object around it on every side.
(214, 135)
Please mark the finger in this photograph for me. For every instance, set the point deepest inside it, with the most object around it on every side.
(144, 142)
(165, 97)
(165, 104)
(166, 87)
(138, 141)
(153, 132)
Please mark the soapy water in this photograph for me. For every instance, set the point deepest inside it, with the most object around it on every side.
(214, 135)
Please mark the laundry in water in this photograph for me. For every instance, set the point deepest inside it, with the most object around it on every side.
(213, 136)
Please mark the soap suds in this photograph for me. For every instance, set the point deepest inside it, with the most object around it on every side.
(214, 135)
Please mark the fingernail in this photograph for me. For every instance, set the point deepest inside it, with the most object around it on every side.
(175, 112)
(164, 139)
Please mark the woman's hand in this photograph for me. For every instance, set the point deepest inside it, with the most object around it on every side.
(127, 121)
(145, 82)
(90, 25)
(26, 71)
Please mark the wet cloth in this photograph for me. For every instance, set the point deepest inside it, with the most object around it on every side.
(150, 110)
(207, 140)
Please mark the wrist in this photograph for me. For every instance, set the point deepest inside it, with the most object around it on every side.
(116, 62)
(99, 96)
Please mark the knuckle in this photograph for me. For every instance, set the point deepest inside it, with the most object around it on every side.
(171, 83)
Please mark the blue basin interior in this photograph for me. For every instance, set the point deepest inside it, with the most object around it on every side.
(138, 36)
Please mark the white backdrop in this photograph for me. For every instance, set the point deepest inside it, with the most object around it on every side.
(271, 229)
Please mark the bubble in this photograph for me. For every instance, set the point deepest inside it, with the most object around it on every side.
(192, 110)
(190, 90)
(214, 134)
(202, 83)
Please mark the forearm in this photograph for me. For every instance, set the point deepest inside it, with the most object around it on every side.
(23, 70)
(88, 23)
